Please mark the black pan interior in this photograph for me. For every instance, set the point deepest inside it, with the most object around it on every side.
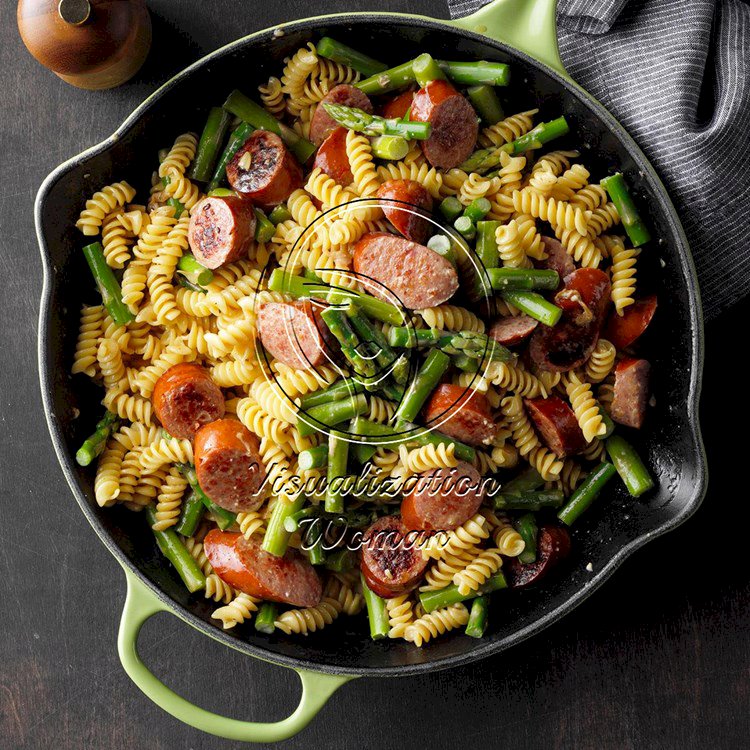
(616, 525)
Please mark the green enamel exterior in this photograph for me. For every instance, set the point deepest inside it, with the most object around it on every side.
(529, 26)
(141, 604)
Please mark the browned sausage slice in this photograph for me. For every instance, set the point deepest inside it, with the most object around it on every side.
(390, 560)
(455, 125)
(331, 157)
(399, 199)
(461, 413)
(293, 333)
(631, 392)
(264, 170)
(228, 465)
(568, 344)
(243, 564)
(553, 546)
(418, 276)
(397, 107)
(185, 398)
(350, 96)
(623, 330)
(556, 424)
(509, 331)
(443, 499)
(221, 230)
(557, 258)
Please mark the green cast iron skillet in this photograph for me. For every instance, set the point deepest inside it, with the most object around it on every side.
(522, 33)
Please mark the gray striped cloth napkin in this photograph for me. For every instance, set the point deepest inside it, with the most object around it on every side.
(676, 74)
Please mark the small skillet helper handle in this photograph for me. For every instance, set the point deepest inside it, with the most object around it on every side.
(528, 25)
(141, 604)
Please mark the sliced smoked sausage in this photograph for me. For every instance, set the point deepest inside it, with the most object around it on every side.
(397, 107)
(264, 170)
(568, 344)
(399, 199)
(461, 413)
(221, 230)
(417, 275)
(553, 546)
(185, 398)
(623, 330)
(390, 561)
(350, 96)
(294, 334)
(229, 466)
(245, 565)
(631, 392)
(443, 499)
(331, 157)
(557, 258)
(556, 424)
(455, 125)
(510, 331)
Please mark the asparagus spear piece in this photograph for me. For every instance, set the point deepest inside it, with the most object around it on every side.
(478, 617)
(95, 443)
(224, 519)
(176, 552)
(385, 356)
(240, 134)
(338, 456)
(529, 500)
(190, 515)
(212, 137)
(451, 207)
(466, 73)
(541, 134)
(363, 122)
(485, 101)
(424, 383)
(276, 538)
(248, 111)
(341, 561)
(629, 465)
(586, 493)
(426, 69)
(477, 345)
(534, 305)
(189, 268)
(314, 542)
(299, 287)
(313, 458)
(264, 228)
(177, 206)
(328, 415)
(439, 598)
(527, 528)
(107, 284)
(442, 246)
(341, 53)
(340, 389)
(280, 213)
(477, 209)
(617, 190)
(389, 147)
(338, 324)
(465, 227)
(266, 617)
(377, 613)
(504, 279)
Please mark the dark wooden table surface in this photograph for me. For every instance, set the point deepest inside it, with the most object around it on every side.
(659, 658)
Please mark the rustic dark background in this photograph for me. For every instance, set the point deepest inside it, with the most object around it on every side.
(659, 658)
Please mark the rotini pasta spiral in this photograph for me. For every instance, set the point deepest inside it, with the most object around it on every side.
(169, 500)
(487, 562)
(507, 130)
(116, 240)
(559, 214)
(310, 619)
(239, 610)
(585, 407)
(420, 172)
(509, 246)
(623, 277)
(127, 406)
(107, 480)
(451, 318)
(166, 451)
(179, 156)
(272, 96)
(546, 463)
(89, 333)
(601, 361)
(468, 535)
(428, 457)
(359, 153)
(101, 203)
(436, 623)
(262, 424)
(524, 437)
(400, 615)
(513, 377)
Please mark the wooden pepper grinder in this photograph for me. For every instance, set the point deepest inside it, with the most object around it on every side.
(92, 44)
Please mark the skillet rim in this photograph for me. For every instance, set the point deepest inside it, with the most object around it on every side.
(481, 649)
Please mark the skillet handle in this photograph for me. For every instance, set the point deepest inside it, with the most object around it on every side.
(527, 25)
(141, 604)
